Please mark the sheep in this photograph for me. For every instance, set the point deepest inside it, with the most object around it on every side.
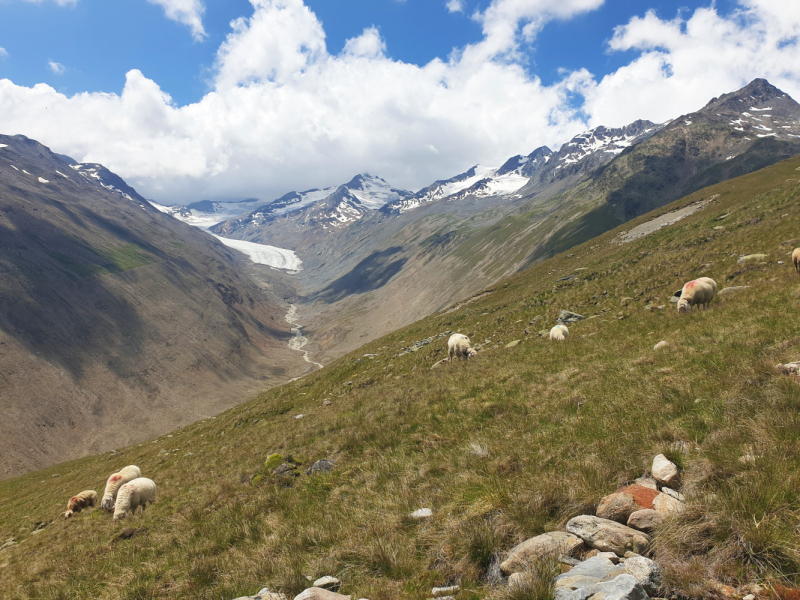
(78, 503)
(559, 332)
(115, 481)
(698, 292)
(796, 260)
(132, 495)
(459, 346)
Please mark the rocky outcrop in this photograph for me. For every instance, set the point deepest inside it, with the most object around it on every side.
(548, 544)
(608, 536)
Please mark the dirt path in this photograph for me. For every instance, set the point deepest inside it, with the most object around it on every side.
(299, 340)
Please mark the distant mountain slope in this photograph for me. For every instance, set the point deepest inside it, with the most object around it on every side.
(117, 322)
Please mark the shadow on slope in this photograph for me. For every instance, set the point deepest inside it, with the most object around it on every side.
(372, 273)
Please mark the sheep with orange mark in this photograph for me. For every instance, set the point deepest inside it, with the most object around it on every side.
(77, 503)
(115, 481)
(458, 346)
(796, 260)
(559, 333)
(132, 495)
(698, 292)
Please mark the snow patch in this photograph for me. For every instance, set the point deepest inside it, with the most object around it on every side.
(43, 180)
(60, 173)
(688, 122)
(3, 145)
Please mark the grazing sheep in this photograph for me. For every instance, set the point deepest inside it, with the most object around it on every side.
(116, 481)
(698, 292)
(559, 333)
(81, 501)
(458, 345)
(796, 260)
(132, 495)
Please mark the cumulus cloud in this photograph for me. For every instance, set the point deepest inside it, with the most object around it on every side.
(284, 114)
(186, 12)
(455, 5)
(3, 52)
(56, 68)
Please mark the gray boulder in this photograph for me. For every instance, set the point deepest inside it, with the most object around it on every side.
(567, 317)
(533, 549)
(622, 587)
(587, 574)
(321, 466)
(645, 520)
(607, 535)
(646, 572)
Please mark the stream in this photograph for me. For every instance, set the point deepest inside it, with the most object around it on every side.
(299, 340)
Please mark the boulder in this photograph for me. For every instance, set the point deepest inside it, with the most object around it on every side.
(732, 290)
(586, 574)
(646, 572)
(647, 482)
(643, 496)
(439, 592)
(674, 493)
(751, 258)
(667, 505)
(622, 587)
(321, 466)
(531, 550)
(645, 520)
(664, 470)
(316, 593)
(608, 536)
(328, 583)
(617, 507)
(568, 317)
(421, 513)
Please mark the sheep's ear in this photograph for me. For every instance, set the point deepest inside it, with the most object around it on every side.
(678, 293)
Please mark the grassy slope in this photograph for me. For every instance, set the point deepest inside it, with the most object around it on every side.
(563, 424)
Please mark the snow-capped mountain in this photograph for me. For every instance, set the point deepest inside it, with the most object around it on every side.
(99, 175)
(604, 142)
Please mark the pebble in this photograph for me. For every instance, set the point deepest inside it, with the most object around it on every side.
(421, 513)
(439, 592)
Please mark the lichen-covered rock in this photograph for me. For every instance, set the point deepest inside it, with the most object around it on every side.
(316, 593)
(547, 544)
(664, 470)
(608, 536)
(321, 466)
(646, 572)
(667, 505)
(643, 496)
(617, 507)
(645, 520)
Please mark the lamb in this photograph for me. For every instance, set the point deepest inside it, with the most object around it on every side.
(459, 346)
(78, 503)
(132, 495)
(698, 292)
(796, 260)
(116, 481)
(559, 332)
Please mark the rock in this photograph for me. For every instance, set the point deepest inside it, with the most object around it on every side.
(645, 520)
(667, 504)
(326, 403)
(608, 536)
(646, 572)
(298, 416)
(162, 452)
(644, 496)
(661, 344)
(518, 580)
(286, 469)
(568, 317)
(625, 301)
(534, 319)
(328, 583)
(438, 592)
(568, 560)
(732, 290)
(321, 466)
(664, 470)
(586, 574)
(512, 344)
(8, 544)
(621, 587)
(647, 482)
(749, 597)
(315, 593)
(751, 257)
(674, 493)
(421, 513)
(617, 507)
(531, 550)
(719, 228)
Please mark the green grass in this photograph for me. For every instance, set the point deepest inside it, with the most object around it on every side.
(504, 447)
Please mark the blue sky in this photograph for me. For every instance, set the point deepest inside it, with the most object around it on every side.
(266, 96)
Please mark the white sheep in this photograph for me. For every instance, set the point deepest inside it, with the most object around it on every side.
(559, 333)
(115, 481)
(79, 502)
(459, 346)
(132, 495)
(796, 259)
(698, 292)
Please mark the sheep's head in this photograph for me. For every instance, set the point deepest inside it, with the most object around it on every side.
(68, 514)
(684, 306)
(107, 503)
(471, 352)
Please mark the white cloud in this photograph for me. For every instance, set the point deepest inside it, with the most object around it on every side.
(284, 114)
(455, 5)
(59, 2)
(186, 12)
(3, 52)
(56, 68)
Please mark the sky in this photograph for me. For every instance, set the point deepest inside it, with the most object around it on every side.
(227, 99)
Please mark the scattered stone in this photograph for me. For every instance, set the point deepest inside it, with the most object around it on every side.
(646, 572)
(644, 496)
(328, 583)
(625, 301)
(567, 317)
(315, 593)
(780, 262)
(719, 228)
(321, 466)
(667, 504)
(531, 550)
(664, 470)
(438, 592)
(647, 482)
(751, 257)
(512, 344)
(617, 507)
(732, 289)
(298, 416)
(608, 536)
(645, 520)
(674, 493)
(421, 513)
(661, 344)
(588, 573)
(162, 452)
(326, 403)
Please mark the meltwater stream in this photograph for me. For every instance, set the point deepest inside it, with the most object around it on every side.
(298, 341)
